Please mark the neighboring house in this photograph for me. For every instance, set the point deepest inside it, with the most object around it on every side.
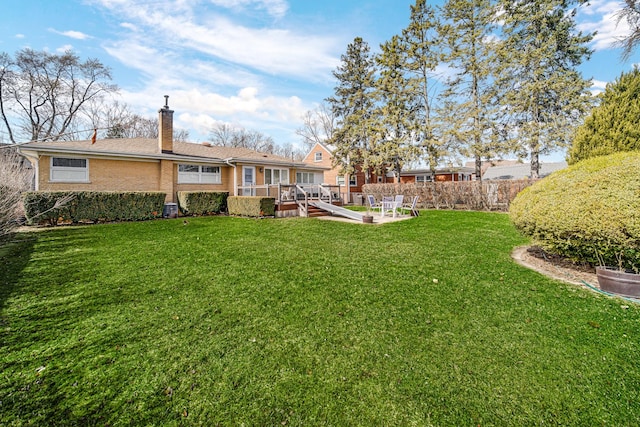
(322, 156)
(520, 171)
(161, 165)
(441, 175)
(486, 164)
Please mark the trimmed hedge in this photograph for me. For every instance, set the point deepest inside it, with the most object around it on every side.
(202, 202)
(254, 206)
(470, 195)
(588, 212)
(92, 206)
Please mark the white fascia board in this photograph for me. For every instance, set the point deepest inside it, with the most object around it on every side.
(151, 157)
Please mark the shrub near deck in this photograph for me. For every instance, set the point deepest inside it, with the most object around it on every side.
(202, 202)
(254, 206)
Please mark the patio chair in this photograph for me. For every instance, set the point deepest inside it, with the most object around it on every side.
(373, 204)
(412, 207)
(399, 199)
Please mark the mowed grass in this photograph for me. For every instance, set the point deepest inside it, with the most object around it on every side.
(231, 321)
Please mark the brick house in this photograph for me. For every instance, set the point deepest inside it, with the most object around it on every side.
(163, 165)
(322, 155)
(461, 173)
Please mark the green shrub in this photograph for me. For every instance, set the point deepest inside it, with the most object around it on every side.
(202, 202)
(92, 206)
(251, 206)
(588, 212)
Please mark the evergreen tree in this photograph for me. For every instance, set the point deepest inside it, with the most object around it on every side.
(542, 90)
(353, 106)
(396, 114)
(613, 125)
(468, 101)
(420, 39)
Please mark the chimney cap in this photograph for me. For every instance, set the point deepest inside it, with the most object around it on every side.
(166, 102)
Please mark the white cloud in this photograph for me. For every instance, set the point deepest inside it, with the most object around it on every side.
(608, 29)
(598, 86)
(19, 36)
(169, 68)
(129, 26)
(72, 34)
(218, 66)
(64, 48)
(275, 8)
(204, 31)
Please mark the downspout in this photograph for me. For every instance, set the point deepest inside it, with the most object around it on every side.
(35, 163)
(235, 175)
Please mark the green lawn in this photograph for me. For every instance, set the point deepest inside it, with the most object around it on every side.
(229, 321)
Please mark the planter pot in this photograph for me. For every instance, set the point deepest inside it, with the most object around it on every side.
(618, 282)
(367, 219)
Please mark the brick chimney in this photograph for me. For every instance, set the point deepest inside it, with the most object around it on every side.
(165, 131)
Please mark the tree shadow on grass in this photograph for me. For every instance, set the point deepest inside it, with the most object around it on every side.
(15, 253)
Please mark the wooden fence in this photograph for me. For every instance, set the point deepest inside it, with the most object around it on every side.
(469, 195)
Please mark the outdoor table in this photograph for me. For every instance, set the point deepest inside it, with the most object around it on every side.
(388, 205)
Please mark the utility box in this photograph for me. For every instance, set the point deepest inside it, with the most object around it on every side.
(170, 210)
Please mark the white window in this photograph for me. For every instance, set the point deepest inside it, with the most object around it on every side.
(197, 174)
(318, 156)
(276, 176)
(353, 181)
(304, 177)
(340, 180)
(424, 178)
(65, 169)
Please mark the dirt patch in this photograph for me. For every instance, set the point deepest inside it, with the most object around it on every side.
(555, 266)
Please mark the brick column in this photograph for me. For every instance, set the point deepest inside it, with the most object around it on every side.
(166, 180)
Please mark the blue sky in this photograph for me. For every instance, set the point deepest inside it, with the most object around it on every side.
(259, 64)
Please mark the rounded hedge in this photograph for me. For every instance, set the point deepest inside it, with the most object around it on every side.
(588, 212)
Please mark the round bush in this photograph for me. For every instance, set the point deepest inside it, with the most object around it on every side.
(588, 212)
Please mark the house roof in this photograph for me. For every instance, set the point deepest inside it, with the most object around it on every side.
(146, 148)
(458, 169)
(521, 171)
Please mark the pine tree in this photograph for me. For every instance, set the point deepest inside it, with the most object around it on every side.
(420, 39)
(468, 101)
(543, 93)
(396, 113)
(613, 125)
(353, 106)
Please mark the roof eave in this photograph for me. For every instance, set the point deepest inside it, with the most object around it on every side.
(36, 150)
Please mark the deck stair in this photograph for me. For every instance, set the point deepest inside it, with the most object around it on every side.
(329, 208)
(315, 211)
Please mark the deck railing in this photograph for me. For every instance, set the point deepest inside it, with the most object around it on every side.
(292, 192)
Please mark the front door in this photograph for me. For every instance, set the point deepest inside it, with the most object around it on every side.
(248, 180)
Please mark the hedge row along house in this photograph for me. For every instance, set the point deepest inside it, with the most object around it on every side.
(162, 165)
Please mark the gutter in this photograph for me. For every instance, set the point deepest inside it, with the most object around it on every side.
(93, 153)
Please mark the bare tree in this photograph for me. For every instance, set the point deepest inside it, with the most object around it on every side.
(225, 135)
(15, 179)
(42, 94)
(115, 120)
(289, 151)
(317, 126)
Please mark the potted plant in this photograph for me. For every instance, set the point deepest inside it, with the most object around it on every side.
(623, 279)
(367, 218)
